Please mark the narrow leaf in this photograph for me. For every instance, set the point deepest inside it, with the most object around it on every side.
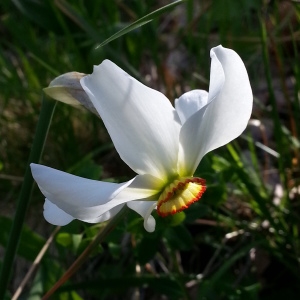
(140, 22)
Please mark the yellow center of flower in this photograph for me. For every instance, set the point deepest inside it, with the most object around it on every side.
(179, 195)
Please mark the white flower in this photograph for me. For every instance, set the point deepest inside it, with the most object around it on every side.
(162, 144)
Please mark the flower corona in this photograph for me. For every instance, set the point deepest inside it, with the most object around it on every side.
(179, 195)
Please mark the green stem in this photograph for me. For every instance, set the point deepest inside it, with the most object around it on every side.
(275, 116)
(85, 254)
(43, 125)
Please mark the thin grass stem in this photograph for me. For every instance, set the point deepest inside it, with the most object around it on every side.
(43, 125)
(85, 254)
(35, 264)
(275, 116)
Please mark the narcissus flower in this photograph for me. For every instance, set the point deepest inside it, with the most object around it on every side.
(162, 144)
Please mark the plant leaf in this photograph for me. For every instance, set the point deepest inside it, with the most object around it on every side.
(140, 22)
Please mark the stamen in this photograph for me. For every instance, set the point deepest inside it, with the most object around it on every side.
(179, 195)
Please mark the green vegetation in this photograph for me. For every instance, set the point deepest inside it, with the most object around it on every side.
(241, 240)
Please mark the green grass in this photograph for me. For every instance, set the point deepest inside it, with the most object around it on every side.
(241, 241)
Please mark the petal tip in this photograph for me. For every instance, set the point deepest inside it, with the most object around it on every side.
(104, 63)
(214, 49)
(149, 224)
(34, 167)
(54, 215)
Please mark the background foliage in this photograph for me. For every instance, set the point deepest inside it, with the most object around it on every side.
(241, 240)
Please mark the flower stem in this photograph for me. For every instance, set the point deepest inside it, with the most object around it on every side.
(43, 125)
(85, 254)
(35, 264)
(274, 113)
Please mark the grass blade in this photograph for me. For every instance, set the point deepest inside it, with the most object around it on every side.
(140, 22)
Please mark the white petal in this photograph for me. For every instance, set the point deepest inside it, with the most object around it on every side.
(217, 75)
(106, 215)
(142, 123)
(142, 187)
(71, 189)
(225, 116)
(91, 200)
(55, 215)
(189, 103)
(144, 208)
